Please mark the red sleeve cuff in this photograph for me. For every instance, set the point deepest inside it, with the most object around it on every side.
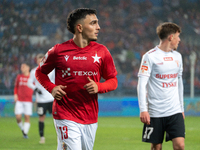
(109, 85)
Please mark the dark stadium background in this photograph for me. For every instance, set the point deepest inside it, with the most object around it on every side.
(28, 27)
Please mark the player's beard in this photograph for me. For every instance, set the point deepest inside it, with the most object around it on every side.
(175, 48)
(93, 39)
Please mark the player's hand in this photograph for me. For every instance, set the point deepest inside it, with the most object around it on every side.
(91, 87)
(58, 92)
(145, 118)
(183, 115)
(15, 97)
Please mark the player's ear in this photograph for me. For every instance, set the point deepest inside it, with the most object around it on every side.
(171, 36)
(79, 27)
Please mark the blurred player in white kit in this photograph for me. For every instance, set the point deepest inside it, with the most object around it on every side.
(44, 99)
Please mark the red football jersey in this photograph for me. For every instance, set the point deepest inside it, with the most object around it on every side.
(23, 92)
(72, 66)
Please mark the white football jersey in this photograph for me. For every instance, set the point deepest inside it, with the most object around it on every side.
(163, 70)
(33, 83)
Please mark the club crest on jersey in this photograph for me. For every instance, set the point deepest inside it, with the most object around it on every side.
(96, 58)
(168, 58)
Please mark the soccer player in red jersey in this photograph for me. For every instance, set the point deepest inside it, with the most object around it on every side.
(23, 99)
(79, 64)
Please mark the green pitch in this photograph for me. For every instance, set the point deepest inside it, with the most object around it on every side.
(113, 133)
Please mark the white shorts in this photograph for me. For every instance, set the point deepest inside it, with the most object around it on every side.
(76, 136)
(23, 108)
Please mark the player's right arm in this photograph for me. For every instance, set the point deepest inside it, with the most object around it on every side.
(46, 66)
(143, 78)
(16, 88)
(141, 89)
(58, 92)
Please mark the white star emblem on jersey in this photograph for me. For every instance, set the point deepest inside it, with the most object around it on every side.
(96, 58)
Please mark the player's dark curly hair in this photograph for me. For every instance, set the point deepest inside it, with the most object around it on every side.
(167, 28)
(76, 15)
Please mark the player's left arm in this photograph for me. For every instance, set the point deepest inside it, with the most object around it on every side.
(180, 86)
(96, 87)
(109, 73)
(109, 85)
(180, 89)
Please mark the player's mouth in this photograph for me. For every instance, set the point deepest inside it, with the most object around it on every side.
(96, 34)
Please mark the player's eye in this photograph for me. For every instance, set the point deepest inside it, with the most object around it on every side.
(93, 22)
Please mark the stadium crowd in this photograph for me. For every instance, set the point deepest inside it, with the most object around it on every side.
(127, 29)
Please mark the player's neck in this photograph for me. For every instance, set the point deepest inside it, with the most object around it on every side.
(26, 73)
(164, 46)
(80, 42)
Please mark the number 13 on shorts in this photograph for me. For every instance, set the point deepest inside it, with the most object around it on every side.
(63, 132)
